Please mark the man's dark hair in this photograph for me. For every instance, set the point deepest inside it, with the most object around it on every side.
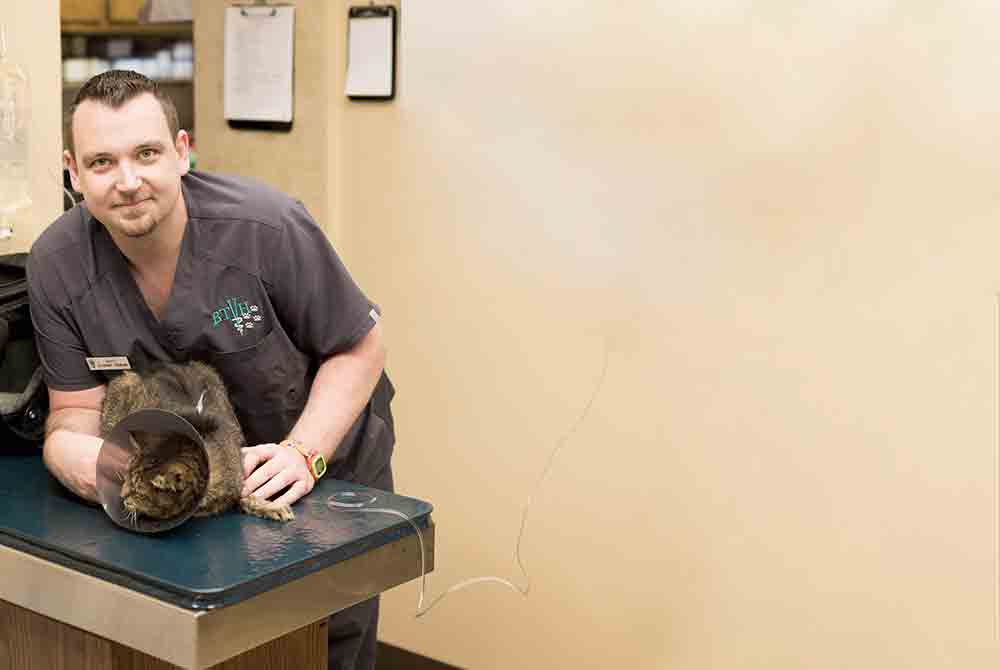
(114, 88)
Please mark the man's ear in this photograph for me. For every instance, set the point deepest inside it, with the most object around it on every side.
(183, 146)
(74, 176)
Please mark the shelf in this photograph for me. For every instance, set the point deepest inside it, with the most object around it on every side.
(185, 29)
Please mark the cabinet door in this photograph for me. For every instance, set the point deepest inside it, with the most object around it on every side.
(82, 11)
(124, 11)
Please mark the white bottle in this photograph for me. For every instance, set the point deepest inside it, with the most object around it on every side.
(15, 191)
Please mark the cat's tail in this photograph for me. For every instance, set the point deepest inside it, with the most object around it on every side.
(266, 510)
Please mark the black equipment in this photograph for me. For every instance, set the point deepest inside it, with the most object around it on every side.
(24, 399)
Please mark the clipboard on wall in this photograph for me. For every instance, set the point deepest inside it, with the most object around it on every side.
(258, 66)
(371, 53)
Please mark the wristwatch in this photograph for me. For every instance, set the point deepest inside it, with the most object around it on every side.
(314, 459)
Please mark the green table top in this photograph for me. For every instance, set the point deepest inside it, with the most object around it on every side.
(206, 562)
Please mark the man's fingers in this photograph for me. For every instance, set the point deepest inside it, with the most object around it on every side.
(276, 483)
(263, 474)
(251, 459)
(270, 469)
(292, 495)
(254, 456)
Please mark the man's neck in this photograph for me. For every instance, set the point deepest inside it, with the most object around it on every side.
(153, 261)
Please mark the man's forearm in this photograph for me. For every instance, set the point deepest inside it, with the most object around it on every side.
(71, 448)
(340, 390)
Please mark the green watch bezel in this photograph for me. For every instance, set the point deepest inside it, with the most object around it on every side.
(317, 465)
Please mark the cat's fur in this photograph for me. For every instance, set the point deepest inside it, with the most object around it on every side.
(165, 473)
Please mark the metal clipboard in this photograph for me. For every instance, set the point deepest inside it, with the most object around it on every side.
(259, 56)
(371, 52)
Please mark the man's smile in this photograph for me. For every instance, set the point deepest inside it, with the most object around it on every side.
(130, 204)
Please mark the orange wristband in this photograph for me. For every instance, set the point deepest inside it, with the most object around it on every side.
(314, 459)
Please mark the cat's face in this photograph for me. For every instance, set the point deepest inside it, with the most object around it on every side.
(164, 477)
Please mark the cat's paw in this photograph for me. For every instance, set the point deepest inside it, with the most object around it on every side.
(265, 509)
(282, 513)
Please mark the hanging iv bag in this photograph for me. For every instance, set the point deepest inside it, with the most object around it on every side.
(14, 187)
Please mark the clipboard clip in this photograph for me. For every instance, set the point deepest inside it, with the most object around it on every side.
(259, 4)
(371, 10)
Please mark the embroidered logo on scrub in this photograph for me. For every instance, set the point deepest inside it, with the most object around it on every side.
(240, 313)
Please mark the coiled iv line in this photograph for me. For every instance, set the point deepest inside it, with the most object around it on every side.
(358, 501)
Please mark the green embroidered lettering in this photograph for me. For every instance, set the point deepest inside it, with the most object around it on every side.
(236, 310)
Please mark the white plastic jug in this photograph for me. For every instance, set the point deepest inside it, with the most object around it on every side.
(15, 193)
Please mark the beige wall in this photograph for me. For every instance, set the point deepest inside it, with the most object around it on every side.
(778, 224)
(296, 161)
(33, 36)
(782, 223)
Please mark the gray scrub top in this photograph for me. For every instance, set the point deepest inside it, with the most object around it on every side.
(259, 293)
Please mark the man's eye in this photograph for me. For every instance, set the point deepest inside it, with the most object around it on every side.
(100, 162)
(147, 154)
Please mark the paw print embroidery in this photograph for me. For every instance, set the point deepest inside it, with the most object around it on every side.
(243, 316)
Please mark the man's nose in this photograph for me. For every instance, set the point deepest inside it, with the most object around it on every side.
(128, 179)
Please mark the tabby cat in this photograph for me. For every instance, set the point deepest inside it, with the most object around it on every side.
(164, 473)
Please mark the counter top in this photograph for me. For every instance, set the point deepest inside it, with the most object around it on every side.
(199, 575)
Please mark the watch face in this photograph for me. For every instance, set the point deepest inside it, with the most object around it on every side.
(319, 466)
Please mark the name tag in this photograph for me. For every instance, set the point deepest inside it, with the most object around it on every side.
(108, 363)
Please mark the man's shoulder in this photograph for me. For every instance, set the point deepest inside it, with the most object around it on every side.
(237, 221)
(225, 197)
(61, 258)
(63, 234)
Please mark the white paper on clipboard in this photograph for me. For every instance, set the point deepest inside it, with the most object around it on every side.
(259, 49)
(369, 56)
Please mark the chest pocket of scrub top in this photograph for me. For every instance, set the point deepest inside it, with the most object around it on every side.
(266, 383)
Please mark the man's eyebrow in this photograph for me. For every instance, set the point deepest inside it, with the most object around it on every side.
(151, 144)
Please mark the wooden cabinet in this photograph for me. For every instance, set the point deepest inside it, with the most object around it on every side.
(124, 11)
(113, 17)
(83, 11)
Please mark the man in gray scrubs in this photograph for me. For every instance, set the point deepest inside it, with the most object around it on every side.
(160, 263)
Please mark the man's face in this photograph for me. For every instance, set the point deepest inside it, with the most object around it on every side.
(126, 164)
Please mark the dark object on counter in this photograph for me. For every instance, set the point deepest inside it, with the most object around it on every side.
(24, 399)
